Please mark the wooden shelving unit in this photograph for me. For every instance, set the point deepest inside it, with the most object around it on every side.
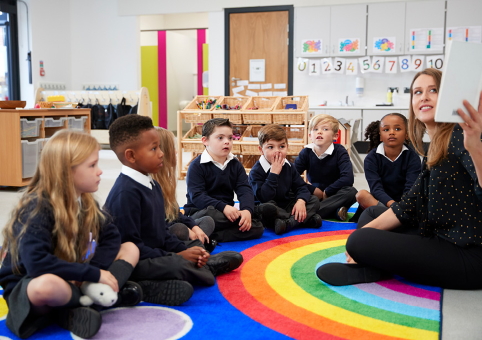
(11, 137)
(247, 123)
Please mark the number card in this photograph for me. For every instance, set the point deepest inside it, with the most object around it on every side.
(302, 64)
(365, 64)
(327, 66)
(418, 63)
(391, 64)
(339, 66)
(377, 64)
(351, 67)
(435, 61)
(405, 62)
(314, 67)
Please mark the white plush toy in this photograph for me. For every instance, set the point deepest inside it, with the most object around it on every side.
(98, 293)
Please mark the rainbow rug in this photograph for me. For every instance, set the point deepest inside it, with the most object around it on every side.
(276, 295)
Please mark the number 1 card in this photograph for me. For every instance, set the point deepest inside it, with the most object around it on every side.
(462, 79)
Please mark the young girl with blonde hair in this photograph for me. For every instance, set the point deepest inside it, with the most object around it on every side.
(184, 227)
(47, 242)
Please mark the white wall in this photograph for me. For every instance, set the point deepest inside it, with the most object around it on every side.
(80, 42)
(145, 7)
(105, 47)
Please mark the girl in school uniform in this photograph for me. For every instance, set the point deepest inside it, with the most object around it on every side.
(391, 167)
(184, 227)
(444, 204)
(47, 242)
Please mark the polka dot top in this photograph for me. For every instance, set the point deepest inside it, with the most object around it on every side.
(446, 200)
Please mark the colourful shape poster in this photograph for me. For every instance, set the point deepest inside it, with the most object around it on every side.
(384, 44)
(312, 47)
(349, 45)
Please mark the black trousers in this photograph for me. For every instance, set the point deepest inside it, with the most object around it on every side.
(345, 197)
(427, 260)
(227, 231)
(312, 207)
(173, 267)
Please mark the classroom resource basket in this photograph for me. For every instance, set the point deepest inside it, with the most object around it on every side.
(197, 111)
(254, 110)
(191, 141)
(294, 134)
(286, 115)
(230, 107)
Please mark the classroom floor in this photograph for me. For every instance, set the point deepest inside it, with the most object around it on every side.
(461, 309)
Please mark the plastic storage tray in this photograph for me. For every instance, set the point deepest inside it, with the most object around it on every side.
(30, 154)
(77, 123)
(51, 122)
(30, 128)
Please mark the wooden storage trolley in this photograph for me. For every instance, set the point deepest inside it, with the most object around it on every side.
(23, 134)
(248, 115)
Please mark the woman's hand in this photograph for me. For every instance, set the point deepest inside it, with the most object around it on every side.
(472, 126)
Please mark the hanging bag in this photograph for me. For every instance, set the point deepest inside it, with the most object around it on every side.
(122, 108)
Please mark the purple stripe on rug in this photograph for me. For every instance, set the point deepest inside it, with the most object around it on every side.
(409, 290)
(143, 322)
(385, 293)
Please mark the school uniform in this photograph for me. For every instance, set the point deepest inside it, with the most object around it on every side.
(36, 257)
(137, 206)
(283, 189)
(331, 172)
(211, 187)
(388, 180)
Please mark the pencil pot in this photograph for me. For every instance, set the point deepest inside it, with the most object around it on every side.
(230, 107)
(202, 103)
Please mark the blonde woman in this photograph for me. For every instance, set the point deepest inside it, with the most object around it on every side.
(444, 205)
(47, 242)
(184, 227)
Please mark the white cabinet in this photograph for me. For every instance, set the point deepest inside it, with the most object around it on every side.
(348, 22)
(312, 23)
(386, 20)
(464, 13)
(424, 14)
(330, 24)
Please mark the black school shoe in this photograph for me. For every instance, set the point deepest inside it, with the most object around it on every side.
(169, 292)
(209, 246)
(283, 226)
(314, 222)
(224, 262)
(130, 295)
(84, 322)
(266, 213)
(343, 274)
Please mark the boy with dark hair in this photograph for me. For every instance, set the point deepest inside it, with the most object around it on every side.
(166, 266)
(275, 181)
(329, 169)
(213, 178)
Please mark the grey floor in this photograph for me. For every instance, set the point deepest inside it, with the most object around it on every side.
(462, 310)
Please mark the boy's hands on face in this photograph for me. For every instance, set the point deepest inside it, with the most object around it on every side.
(277, 164)
(231, 213)
(245, 222)
(299, 211)
(197, 255)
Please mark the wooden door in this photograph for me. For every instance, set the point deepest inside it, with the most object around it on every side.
(259, 35)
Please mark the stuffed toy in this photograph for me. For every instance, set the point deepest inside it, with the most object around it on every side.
(98, 293)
